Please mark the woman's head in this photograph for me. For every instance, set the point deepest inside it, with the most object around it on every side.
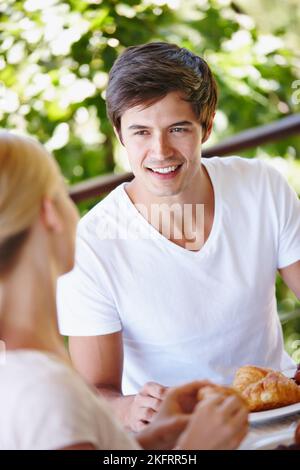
(32, 192)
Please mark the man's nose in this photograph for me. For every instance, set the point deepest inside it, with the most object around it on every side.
(161, 147)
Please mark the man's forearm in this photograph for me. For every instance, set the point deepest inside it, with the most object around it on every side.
(120, 404)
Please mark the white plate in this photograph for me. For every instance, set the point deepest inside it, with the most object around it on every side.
(261, 416)
(277, 413)
(273, 440)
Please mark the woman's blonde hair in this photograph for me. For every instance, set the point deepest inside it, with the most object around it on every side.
(27, 174)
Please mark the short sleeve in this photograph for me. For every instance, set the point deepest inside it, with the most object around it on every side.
(61, 411)
(59, 417)
(288, 205)
(85, 306)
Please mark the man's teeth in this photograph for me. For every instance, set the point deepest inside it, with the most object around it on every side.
(169, 169)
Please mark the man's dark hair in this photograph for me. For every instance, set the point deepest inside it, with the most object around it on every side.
(145, 74)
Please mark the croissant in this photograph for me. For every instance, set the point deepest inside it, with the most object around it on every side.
(265, 389)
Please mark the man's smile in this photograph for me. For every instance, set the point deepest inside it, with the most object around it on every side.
(166, 172)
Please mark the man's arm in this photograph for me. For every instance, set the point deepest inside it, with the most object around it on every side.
(291, 276)
(99, 360)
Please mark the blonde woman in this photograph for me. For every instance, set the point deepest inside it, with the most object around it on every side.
(44, 404)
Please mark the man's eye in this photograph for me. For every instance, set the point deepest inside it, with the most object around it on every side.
(178, 129)
(144, 132)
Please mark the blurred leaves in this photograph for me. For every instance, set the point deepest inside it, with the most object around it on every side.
(55, 57)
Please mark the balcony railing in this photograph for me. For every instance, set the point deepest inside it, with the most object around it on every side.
(286, 127)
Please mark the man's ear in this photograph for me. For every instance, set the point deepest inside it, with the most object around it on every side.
(50, 216)
(118, 135)
(207, 132)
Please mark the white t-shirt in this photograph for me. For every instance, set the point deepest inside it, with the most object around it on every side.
(187, 315)
(44, 404)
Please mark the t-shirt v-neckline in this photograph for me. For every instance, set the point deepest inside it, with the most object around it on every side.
(216, 221)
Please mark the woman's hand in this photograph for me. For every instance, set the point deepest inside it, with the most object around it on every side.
(172, 418)
(217, 422)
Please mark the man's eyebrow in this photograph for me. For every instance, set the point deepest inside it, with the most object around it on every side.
(180, 123)
(138, 126)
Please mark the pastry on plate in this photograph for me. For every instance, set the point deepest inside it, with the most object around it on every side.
(265, 389)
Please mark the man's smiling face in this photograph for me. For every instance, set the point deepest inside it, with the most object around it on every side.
(163, 142)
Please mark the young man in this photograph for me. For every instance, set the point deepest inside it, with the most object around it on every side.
(149, 304)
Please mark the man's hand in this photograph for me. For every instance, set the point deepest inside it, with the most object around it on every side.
(145, 406)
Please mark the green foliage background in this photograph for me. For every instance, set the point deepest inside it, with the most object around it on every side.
(55, 57)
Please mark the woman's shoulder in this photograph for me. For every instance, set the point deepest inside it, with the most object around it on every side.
(30, 364)
(28, 376)
(44, 403)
